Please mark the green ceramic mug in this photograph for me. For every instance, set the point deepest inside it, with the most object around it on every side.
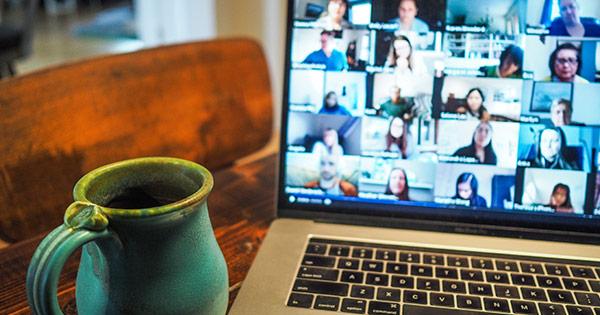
(147, 243)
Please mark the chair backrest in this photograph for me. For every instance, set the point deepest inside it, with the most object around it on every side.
(208, 102)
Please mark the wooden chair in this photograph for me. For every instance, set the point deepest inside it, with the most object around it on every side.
(208, 102)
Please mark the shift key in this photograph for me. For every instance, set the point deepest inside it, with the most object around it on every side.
(320, 287)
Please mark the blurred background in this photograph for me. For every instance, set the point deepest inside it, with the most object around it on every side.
(36, 34)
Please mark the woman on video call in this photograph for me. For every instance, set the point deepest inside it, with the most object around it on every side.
(565, 64)
(407, 67)
(550, 150)
(397, 184)
(560, 200)
(481, 147)
(571, 24)
(398, 138)
(331, 106)
(466, 189)
(475, 109)
(333, 18)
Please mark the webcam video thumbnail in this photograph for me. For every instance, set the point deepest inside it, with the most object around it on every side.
(553, 191)
(486, 16)
(573, 18)
(332, 15)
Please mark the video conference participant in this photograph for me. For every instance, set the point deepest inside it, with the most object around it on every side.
(396, 105)
(560, 200)
(511, 64)
(333, 18)
(565, 64)
(550, 150)
(397, 184)
(398, 138)
(330, 181)
(481, 146)
(466, 189)
(333, 59)
(332, 107)
(330, 144)
(475, 108)
(561, 112)
(408, 68)
(407, 19)
(571, 24)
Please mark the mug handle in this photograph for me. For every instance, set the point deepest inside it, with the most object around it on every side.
(83, 222)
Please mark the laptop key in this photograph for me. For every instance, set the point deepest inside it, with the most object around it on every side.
(579, 310)
(441, 299)
(415, 297)
(354, 306)
(482, 263)
(468, 302)
(352, 277)
(315, 248)
(403, 282)
(401, 269)
(362, 291)
(549, 282)
(414, 258)
(532, 268)
(471, 275)
(557, 270)
(318, 273)
(320, 287)
(300, 300)
(420, 270)
(447, 273)
(496, 277)
(328, 303)
(347, 263)
(433, 259)
(318, 261)
(521, 307)
(561, 296)
(510, 266)
(378, 308)
(462, 262)
(385, 254)
(595, 285)
(575, 284)
(590, 299)
(583, 272)
(534, 294)
(362, 253)
(340, 251)
(454, 286)
(371, 265)
(377, 279)
(428, 284)
(506, 292)
(525, 280)
(428, 310)
(480, 289)
(496, 305)
(386, 294)
(551, 309)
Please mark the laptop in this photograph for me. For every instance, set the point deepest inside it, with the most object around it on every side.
(437, 157)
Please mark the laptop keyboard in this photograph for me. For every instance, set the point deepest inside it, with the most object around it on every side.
(369, 278)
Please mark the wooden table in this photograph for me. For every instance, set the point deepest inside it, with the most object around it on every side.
(241, 206)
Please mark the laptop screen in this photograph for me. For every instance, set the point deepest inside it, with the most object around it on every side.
(454, 107)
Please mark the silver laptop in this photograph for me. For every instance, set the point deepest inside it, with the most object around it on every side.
(437, 157)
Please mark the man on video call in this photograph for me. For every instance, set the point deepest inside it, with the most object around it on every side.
(333, 59)
(407, 18)
(330, 181)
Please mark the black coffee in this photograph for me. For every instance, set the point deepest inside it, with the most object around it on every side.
(141, 198)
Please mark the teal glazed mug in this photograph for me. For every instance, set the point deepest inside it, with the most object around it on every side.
(148, 246)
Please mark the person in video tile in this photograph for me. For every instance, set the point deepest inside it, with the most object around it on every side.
(407, 19)
(396, 105)
(333, 18)
(550, 150)
(511, 64)
(560, 200)
(398, 184)
(333, 59)
(481, 146)
(398, 138)
(560, 112)
(475, 109)
(571, 24)
(408, 68)
(565, 64)
(466, 189)
(330, 181)
(330, 144)
(332, 107)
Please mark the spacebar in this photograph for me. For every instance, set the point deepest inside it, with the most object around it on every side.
(422, 310)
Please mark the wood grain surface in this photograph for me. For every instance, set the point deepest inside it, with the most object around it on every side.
(208, 102)
(241, 206)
